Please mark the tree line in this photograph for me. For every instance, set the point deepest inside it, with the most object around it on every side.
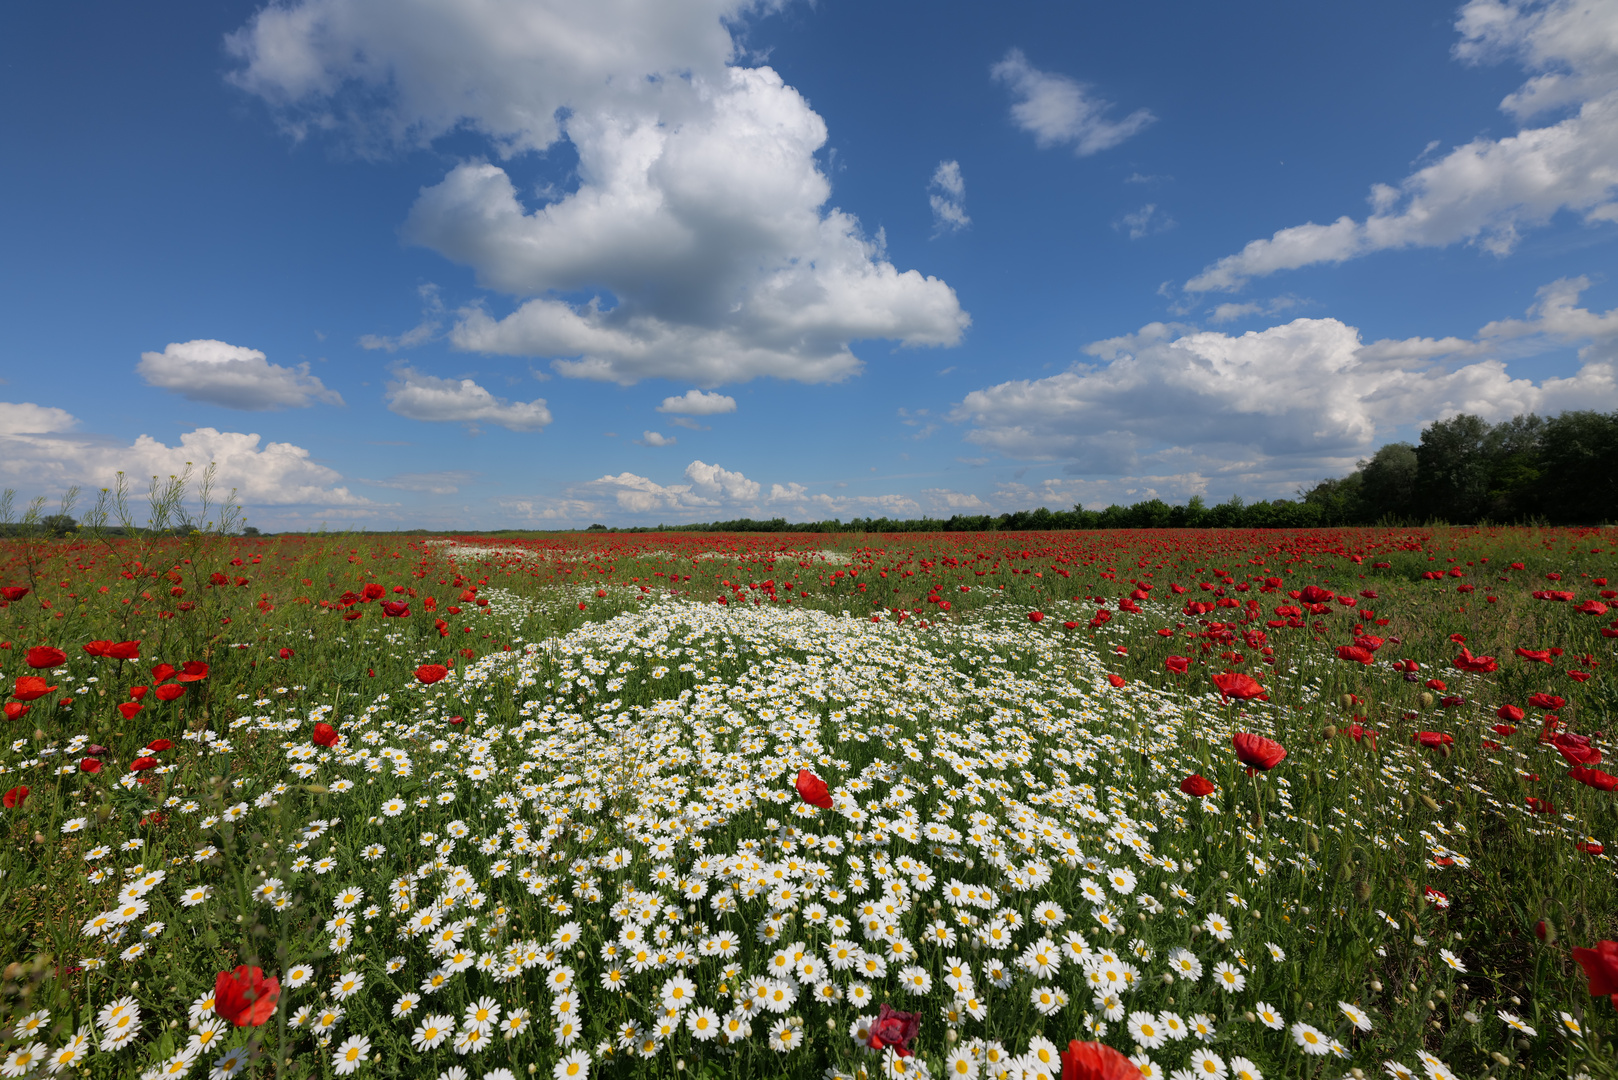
(1560, 470)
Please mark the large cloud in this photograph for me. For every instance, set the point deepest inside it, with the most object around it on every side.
(699, 223)
(274, 474)
(1297, 400)
(420, 396)
(233, 376)
(1489, 190)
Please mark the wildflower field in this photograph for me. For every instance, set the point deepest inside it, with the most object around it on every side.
(1097, 804)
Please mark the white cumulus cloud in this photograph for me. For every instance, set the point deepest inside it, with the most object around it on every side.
(236, 377)
(420, 396)
(1056, 109)
(1488, 191)
(699, 224)
(698, 403)
(1298, 400)
(26, 418)
(656, 438)
(274, 474)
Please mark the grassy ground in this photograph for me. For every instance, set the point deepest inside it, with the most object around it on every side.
(607, 769)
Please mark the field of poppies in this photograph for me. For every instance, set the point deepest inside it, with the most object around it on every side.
(1101, 804)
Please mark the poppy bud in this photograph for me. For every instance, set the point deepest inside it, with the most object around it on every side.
(1330, 731)
(1426, 700)
(1545, 931)
(1362, 891)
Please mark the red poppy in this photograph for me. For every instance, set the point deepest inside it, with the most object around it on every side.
(157, 746)
(29, 687)
(1196, 785)
(1354, 653)
(1178, 664)
(1509, 713)
(138, 692)
(1314, 594)
(373, 591)
(1540, 806)
(193, 671)
(162, 671)
(1547, 701)
(285, 654)
(894, 1029)
(1542, 656)
(45, 656)
(15, 710)
(15, 797)
(12, 593)
(169, 692)
(1432, 740)
(1234, 684)
(1600, 967)
(1480, 664)
(1257, 752)
(1093, 1061)
(1451, 701)
(1594, 777)
(90, 765)
(431, 673)
(1503, 729)
(395, 609)
(1575, 754)
(1360, 734)
(141, 764)
(1592, 607)
(1116, 679)
(130, 709)
(1036, 616)
(116, 650)
(813, 790)
(325, 735)
(1589, 847)
(1436, 898)
(1582, 676)
(430, 603)
(245, 997)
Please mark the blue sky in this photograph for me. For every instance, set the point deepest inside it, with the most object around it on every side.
(541, 264)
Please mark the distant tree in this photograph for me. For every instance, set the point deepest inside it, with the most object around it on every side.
(1579, 463)
(1452, 469)
(1336, 502)
(58, 524)
(1388, 482)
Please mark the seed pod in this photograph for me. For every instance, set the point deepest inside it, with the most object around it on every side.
(1409, 801)
(1330, 731)
(1426, 700)
(1346, 701)
(1428, 802)
(1362, 891)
